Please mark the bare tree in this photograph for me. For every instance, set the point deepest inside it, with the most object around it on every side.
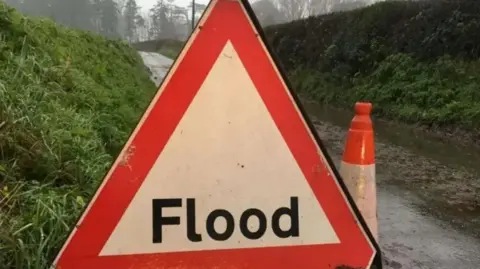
(294, 9)
(348, 5)
(321, 6)
(267, 13)
(327, 6)
(121, 4)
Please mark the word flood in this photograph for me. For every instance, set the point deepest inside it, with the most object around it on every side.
(159, 220)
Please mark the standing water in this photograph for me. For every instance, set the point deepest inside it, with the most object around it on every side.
(428, 192)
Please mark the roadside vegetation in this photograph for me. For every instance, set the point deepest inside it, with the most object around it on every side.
(417, 61)
(68, 100)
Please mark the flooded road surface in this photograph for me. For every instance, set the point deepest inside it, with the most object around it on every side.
(428, 191)
(157, 64)
(409, 238)
(428, 194)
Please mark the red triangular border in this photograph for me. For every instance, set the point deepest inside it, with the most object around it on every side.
(224, 20)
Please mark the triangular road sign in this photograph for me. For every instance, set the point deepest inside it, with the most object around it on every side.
(224, 170)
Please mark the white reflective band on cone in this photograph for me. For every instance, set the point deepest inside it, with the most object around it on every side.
(360, 181)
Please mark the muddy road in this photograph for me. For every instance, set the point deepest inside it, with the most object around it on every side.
(428, 190)
(157, 64)
(428, 193)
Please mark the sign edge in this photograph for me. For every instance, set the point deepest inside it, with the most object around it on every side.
(377, 259)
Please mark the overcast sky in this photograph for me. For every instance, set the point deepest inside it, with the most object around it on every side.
(147, 4)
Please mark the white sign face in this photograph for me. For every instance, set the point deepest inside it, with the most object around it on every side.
(225, 180)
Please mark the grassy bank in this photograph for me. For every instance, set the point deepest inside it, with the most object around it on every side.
(417, 61)
(68, 100)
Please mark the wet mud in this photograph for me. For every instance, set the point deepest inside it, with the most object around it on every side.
(428, 193)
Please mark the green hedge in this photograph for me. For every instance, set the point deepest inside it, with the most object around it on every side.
(417, 61)
(68, 101)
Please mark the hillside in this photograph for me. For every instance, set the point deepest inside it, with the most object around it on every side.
(417, 61)
(68, 100)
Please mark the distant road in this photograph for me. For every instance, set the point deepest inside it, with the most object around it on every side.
(158, 65)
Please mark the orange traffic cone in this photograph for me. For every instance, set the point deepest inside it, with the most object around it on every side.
(358, 165)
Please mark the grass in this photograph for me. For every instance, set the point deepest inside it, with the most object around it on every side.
(68, 100)
(438, 94)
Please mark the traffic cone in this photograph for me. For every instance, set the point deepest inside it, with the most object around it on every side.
(358, 165)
